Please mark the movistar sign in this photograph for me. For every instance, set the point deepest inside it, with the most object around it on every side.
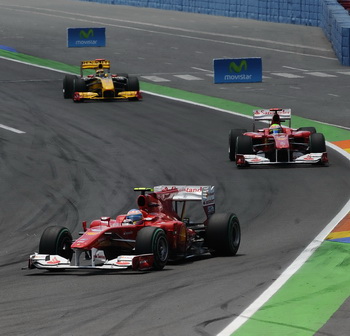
(86, 37)
(237, 70)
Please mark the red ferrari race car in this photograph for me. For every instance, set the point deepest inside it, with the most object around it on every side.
(158, 230)
(276, 144)
(102, 85)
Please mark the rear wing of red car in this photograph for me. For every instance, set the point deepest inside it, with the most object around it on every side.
(169, 194)
(270, 114)
(184, 193)
(206, 194)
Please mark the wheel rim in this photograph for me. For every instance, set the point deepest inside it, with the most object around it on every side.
(162, 249)
(235, 237)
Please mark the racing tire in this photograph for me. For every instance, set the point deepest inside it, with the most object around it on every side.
(133, 84)
(223, 235)
(68, 85)
(153, 240)
(79, 85)
(311, 129)
(244, 145)
(317, 143)
(56, 240)
(234, 133)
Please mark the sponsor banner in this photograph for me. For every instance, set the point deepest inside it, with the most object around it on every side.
(86, 37)
(237, 70)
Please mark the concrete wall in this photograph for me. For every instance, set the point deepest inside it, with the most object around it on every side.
(327, 14)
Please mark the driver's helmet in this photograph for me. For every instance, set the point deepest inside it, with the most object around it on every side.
(100, 73)
(134, 216)
(275, 129)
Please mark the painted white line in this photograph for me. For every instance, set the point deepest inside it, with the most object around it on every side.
(15, 130)
(285, 276)
(291, 68)
(200, 69)
(344, 72)
(320, 74)
(286, 74)
(293, 268)
(188, 77)
(156, 79)
(35, 65)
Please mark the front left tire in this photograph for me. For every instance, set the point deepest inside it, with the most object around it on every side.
(232, 138)
(153, 240)
(68, 86)
(317, 143)
(56, 240)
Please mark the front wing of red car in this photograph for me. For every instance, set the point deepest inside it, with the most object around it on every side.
(251, 159)
(141, 262)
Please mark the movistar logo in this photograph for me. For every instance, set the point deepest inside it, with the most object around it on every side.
(85, 35)
(238, 68)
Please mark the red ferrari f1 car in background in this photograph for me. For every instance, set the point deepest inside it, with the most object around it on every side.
(276, 144)
(158, 230)
(102, 85)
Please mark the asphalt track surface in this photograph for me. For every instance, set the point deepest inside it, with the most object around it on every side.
(77, 162)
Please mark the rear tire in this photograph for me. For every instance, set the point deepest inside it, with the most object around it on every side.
(310, 129)
(68, 85)
(56, 240)
(153, 240)
(223, 234)
(234, 133)
(317, 143)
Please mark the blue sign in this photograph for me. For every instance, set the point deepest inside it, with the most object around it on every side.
(237, 70)
(86, 37)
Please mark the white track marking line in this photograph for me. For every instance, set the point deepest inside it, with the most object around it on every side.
(320, 74)
(188, 77)
(35, 65)
(291, 68)
(286, 74)
(200, 69)
(155, 79)
(15, 130)
(288, 273)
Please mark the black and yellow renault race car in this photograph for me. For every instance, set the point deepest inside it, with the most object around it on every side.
(101, 85)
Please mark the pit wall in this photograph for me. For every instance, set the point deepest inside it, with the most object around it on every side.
(332, 17)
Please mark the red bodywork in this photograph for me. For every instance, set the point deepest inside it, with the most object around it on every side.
(108, 233)
(147, 237)
(115, 237)
(290, 146)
